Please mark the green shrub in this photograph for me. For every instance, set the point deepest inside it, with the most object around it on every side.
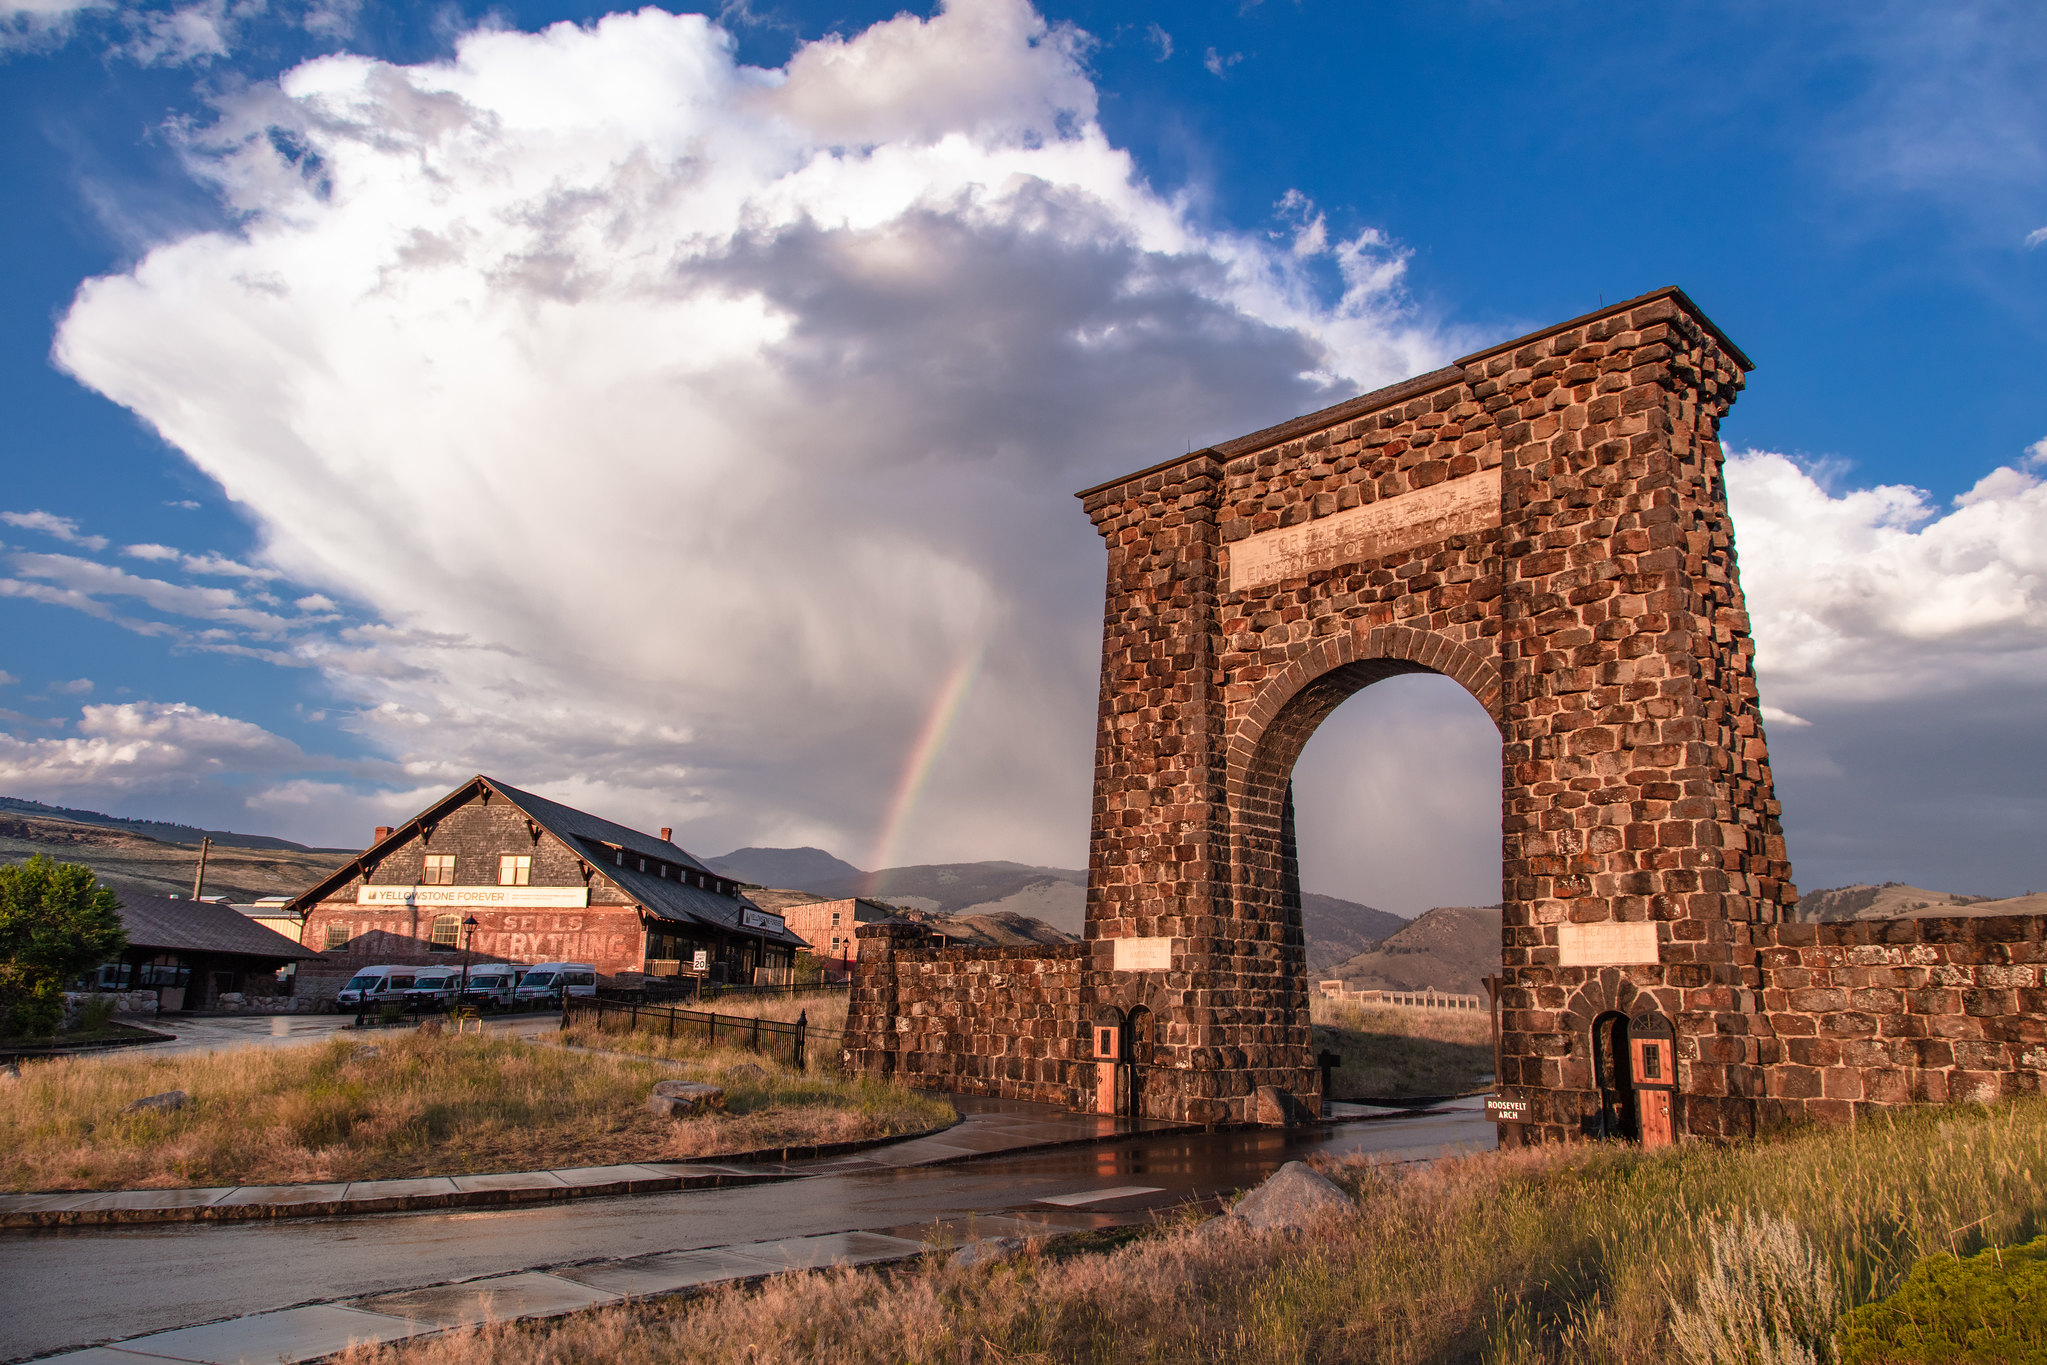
(56, 923)
(96, 1013)
(1991, 1307)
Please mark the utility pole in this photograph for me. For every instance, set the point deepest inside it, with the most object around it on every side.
(199, 877)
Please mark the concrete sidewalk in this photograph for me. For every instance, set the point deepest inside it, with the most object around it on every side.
(986, 1128)
(314, 1331)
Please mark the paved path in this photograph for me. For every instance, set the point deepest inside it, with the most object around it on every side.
(222, 1033)
(218, 1287)
(986, 1127)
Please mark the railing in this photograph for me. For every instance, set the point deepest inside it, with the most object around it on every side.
(662, 989)
(1415, 1000)
(769, 1037)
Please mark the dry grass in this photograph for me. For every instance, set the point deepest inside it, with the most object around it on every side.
(411, 1104)
(1402, 1053)
(1568, 1254)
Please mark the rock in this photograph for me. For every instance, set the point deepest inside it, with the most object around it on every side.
(988, 1251)
(745, 1071)
(1292, 1197)
(168, 1102)
(9, 1072)
(365, 1052)
(1275, 1108)
(680, 1099)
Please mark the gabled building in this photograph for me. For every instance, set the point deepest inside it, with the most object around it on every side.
(543, 882)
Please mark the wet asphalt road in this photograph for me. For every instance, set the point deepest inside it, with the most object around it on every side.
(64, 1288)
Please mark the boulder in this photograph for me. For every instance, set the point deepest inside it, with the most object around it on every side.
(1272, 1107)
(1291, 1198)
(987, 1251)
(168, 1102)
(680, 1099)
(9, 1072)
(745, 1071)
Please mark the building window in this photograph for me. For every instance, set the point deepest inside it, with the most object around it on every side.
(337, 936)
(835, 943)
(447, 932)
(439, 870)
(515, 869)
(835, 922)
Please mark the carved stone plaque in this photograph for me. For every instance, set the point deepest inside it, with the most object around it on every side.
(1143, 954)
(1606, 945)
(1373, 531)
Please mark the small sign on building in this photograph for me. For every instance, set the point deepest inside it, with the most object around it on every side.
(761, 919)
(1506, 1111)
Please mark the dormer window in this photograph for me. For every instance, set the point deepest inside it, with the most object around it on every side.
(438, 869)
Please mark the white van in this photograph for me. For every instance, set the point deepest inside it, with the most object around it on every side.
(545, 982)
(374, 986)
(491, 985)
(434, 988)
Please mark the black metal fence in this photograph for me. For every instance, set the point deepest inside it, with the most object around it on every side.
(769, 1037)
(695, 990)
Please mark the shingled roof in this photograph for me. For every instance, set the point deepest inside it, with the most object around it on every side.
(180, 926)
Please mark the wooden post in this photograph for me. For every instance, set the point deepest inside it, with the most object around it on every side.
(199, 876)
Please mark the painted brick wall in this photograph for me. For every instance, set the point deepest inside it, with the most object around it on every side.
(981, 1021)
(608, 934)
(1870, 1015)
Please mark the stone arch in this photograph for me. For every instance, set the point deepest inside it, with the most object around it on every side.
(1268, 738)
(1288, 706)
(1543, 522)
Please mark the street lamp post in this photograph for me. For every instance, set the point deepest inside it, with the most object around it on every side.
(468, 932)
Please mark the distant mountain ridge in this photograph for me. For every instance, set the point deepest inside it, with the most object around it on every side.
(1450, 948)
(1896, 900)
(161, 830)
(793, 868)
(1335, 928)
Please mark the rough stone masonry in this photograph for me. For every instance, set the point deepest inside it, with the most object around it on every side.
(1543, 522)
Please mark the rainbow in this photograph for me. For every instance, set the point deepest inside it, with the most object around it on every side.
(945, 709)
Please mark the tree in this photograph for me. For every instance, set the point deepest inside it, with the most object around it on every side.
(56, 922)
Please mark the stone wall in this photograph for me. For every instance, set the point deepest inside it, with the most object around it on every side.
(1873, 1014)
(979, 1021)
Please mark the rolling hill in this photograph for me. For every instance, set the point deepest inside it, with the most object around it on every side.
(1336, 929)
(1895, 900)
(1451, 948)
(132, 863)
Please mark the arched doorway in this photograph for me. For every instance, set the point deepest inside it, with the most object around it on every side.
(1613, 1077)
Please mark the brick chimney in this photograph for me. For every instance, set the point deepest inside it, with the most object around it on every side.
(383, 833)
(667, 835)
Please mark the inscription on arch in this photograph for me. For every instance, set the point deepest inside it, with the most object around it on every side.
(1373, 530)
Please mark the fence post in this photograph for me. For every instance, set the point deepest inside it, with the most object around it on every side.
(802, 1023)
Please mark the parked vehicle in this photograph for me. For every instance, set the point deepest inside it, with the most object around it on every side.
(491, 986)
(374, 986)
(545, 982)
(434, 988)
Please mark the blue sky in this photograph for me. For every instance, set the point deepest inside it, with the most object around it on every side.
(708, 555)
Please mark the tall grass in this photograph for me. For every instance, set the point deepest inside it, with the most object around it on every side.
(411, 1104)
(1393, 1053)
(1574, 1254)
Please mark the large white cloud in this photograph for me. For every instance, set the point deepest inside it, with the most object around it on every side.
(686, 424)
(1878, 594)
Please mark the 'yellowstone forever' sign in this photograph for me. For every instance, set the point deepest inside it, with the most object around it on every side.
(1455, 508)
